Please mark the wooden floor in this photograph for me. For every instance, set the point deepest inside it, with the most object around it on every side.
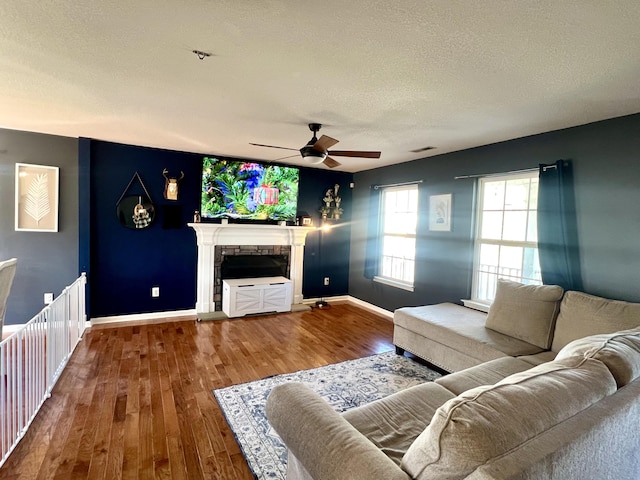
(135, 401)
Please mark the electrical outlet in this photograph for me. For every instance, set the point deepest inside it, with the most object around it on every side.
(48, 298)
(326, 281)
(155, 292)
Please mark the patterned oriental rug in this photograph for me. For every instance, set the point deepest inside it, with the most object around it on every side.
(344, 385)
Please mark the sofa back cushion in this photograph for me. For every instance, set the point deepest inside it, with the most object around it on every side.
(619, 351)
(488, 421)
(582, 315)
(525, 312)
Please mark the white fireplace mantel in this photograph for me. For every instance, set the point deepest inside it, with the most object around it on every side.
(208, 235)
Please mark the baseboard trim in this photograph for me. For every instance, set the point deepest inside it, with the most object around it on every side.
(171, 315)
(356, 301)
(178, 314)
(370, 306)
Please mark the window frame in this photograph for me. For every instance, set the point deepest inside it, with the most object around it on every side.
(475, 301)
(387, 280)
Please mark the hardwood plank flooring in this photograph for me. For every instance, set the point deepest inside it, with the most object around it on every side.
(135, 400)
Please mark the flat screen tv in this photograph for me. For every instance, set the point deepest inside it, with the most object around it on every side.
(248, 190)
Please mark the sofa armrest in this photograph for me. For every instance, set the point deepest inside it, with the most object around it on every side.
(328, 446)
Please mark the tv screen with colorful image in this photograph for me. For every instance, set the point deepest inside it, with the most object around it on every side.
(248, 190)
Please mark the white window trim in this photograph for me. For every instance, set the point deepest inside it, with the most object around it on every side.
(482, 306)
(476, 303)
(392, 282)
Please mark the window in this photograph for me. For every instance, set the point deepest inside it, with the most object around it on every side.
(507, 239)
(398, 220)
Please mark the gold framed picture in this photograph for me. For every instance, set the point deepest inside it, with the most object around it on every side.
(37, 190)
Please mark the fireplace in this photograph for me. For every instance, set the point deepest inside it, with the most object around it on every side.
(216, 241)
(254, 266)
(248, 261)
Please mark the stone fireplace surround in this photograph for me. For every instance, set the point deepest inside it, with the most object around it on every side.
(251, 236)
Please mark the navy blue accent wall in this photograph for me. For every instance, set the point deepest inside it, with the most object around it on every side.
(125, 264)
(607, 189)
(47, 261)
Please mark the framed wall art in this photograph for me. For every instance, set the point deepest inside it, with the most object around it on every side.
(440, 212)
(37, 196)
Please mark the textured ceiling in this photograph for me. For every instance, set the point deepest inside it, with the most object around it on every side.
(393, 76)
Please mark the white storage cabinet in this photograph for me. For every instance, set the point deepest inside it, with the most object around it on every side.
(245, 296)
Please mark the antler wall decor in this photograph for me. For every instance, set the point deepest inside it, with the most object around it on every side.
(171, 185)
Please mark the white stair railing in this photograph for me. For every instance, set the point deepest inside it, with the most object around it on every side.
(32, 359)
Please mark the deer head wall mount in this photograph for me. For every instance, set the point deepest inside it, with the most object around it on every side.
(171, 185)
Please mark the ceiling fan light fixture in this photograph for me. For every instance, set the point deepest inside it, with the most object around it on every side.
(312, 155)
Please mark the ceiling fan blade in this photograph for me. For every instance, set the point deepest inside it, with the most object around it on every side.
(288, 156)
(324, 142)
(353, 153)
(331, 163)
(271, 146)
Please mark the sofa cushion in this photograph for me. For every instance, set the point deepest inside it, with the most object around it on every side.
(620, 352)
(486, 373)
(582, 315)
(526, 312)
(394, 422)
(485, 422)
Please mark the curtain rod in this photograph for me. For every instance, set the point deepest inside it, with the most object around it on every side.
(376, 187)
(526, 170)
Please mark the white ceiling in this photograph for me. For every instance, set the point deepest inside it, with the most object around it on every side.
(389, 75)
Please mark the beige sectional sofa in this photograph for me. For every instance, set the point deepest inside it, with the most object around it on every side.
(555, 397)
(525, 321)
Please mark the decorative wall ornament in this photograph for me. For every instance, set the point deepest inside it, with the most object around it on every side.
(37, 196)
(171, 185)
(135, 210)
(440, 212)
(331, 207)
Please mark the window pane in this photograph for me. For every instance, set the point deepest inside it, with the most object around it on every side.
(515, 226)
(517, 194)
(532, 227)
(531, 267)
(489, 255)
(413, 199)
(533, 195)
(511, 261)
(386, 266)
(401, 247)
(402, 200)
(399, 223)
(493, 195)
(409, 267)
(491, 225)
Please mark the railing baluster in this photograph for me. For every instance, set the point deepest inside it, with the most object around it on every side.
(33, 358)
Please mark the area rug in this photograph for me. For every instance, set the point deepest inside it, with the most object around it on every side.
(344, 385)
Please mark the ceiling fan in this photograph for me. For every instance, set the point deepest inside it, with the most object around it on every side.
(316, 150)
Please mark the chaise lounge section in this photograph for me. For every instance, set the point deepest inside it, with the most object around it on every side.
(531, 322)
